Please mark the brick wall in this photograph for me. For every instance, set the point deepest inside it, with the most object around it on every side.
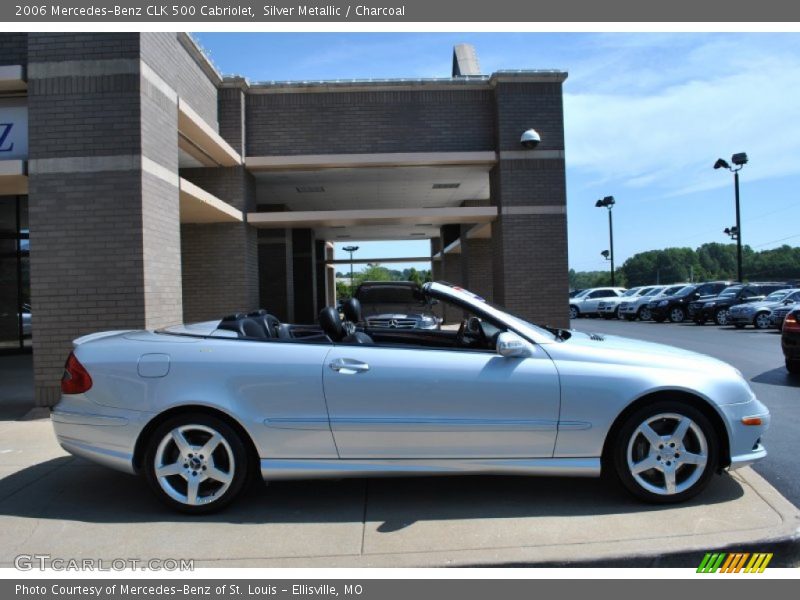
(476, 265)
(362, 122)
(164, 53)
(231, 113)
(521, 106)
(13, 49)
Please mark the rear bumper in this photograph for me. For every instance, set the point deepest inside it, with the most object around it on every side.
(790, 343)
(98, 433)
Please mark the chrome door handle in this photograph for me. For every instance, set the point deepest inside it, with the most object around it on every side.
(348, 366)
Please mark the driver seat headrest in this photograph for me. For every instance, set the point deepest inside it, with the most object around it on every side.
(331, 323)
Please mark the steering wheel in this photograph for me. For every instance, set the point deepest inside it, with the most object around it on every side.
(470, 333)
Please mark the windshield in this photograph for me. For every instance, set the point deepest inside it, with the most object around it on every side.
(731, 291)
(670, 291)
(688, 289)
(389, 294)
(631, 292)
(582, 294)
(775, 296)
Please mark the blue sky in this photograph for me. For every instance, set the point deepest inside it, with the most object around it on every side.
(646, 116)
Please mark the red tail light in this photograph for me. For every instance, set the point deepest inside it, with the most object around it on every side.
(76, 379)
(790, 323)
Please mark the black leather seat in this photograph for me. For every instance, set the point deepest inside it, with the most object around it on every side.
(333, 327)
(352, 310)
(270, 322)
(252, 328)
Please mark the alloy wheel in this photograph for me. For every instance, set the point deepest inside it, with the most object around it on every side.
(573, 312)
(645, 314)
(194, 464)
(667, 454)
(761, 321)
(676, 315)
(721, 316)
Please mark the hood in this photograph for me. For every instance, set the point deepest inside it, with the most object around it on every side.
(612, 349)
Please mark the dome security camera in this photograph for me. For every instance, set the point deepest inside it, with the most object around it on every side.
(530, 139)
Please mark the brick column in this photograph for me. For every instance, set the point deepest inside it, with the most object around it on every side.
(476, 265)
(103, 195)
(220, 260)
(530, 272)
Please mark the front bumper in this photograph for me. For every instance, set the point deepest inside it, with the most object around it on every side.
(745, 441)
(740, 318)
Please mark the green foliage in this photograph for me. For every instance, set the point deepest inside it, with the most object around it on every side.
(375, 272)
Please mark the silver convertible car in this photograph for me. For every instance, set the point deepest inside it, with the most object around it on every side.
(201, 409)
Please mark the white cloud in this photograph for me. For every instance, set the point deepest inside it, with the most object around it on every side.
(668, 137)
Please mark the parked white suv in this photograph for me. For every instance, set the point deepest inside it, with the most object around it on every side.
(609, 307)
(639, 309)
(587, 302)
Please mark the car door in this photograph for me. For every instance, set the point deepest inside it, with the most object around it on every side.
(409, 402)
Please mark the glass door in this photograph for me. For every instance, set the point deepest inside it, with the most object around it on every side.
(15, 310)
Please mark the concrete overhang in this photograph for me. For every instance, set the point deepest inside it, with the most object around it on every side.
(198, 138)
(349, 218)
(13, 177)
(387, 159)
(198, 206)
(13, 78)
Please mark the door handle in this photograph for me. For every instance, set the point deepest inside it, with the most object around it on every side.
(348, 366)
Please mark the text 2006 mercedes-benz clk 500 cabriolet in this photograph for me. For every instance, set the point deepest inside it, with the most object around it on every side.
(198, 409)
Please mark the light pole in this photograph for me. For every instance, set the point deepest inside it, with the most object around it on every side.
(608, 202)
(739, 160)
(351, 249)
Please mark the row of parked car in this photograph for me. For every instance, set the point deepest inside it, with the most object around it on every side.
(762, 305)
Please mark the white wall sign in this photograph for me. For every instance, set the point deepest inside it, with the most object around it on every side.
(13, 129)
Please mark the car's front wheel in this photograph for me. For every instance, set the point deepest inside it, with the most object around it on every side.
(721, 316)
(666, 452)
(644, 314)
(196, 463)
(677, 314)
(761, 321)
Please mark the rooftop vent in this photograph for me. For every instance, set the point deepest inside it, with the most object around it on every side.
(465, 61)
(307, 189)
(445, 186)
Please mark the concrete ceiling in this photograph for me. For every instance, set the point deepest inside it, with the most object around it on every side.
(374, 188)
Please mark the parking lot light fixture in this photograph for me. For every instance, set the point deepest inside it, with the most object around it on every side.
(609, 202)
(606, 254)
(351, 249)
(739, 160)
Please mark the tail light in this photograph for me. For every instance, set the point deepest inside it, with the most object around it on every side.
(790, 323)
(76, 379)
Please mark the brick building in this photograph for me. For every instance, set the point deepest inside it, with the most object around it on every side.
(139, 188)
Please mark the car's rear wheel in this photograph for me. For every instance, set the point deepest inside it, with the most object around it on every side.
(677, 315)
(761, 321)
(574, 313)
(644, 314)
(666, 452)
(793, 366)
(721, 316)
(196, 463)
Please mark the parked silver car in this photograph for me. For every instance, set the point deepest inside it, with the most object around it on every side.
(758, 313)
(197, 408)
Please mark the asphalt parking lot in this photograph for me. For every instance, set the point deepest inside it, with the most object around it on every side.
(757, 354)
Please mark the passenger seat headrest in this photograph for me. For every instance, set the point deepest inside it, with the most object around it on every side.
(352, 310)
(331, 323)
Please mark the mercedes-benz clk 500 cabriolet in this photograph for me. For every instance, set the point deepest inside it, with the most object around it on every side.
(200, 409)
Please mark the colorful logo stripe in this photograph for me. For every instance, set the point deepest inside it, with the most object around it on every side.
(735, 562)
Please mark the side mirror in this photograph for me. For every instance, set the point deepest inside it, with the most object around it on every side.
(510, 345)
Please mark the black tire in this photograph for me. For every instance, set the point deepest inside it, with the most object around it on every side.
(628, 439)
(677, 314)
(721, 316)
(228, 457)
(761, 321)
(793, 366)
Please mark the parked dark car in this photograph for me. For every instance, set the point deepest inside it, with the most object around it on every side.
(716, 308)
(676, 307)
(395, 305)
(790, 341)
(759, 314)
(777, 315)
(653, 304)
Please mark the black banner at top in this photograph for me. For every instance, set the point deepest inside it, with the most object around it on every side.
(467, 11)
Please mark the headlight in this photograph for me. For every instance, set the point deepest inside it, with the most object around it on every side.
(428, 321)
(710, 304)
(663, 303)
